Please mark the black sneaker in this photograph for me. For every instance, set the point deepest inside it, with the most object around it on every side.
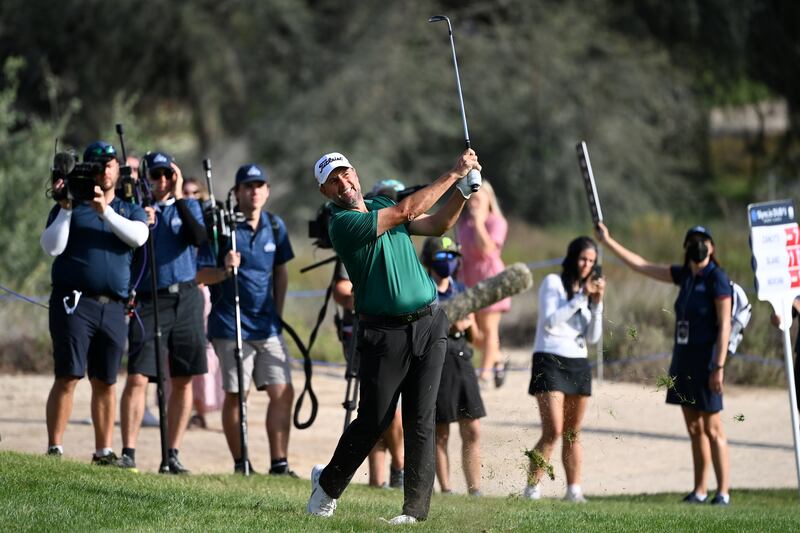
(283, 472)
(238, 468)
(127, 463)
(175, 466)
(105, 460)
(53, 451)
(396, 478)
(693, 498)
(721, 500)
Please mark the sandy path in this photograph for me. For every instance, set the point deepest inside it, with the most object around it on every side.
(633, 441)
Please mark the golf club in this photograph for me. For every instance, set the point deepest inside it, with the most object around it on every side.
(473, 177)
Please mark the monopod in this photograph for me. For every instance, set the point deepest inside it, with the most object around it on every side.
(151, 256)
(231, 219)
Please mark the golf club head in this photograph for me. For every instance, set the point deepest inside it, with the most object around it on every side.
(439, 18)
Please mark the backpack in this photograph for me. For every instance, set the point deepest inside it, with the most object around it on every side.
(741, 312)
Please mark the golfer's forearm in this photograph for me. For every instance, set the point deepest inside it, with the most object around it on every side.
(421, 201)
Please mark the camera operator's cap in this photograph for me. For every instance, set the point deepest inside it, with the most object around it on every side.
(327, 163)
(434, 245)
(387, 185)
(698, 230)
(156, 160)
(251, 172)
(99, 152)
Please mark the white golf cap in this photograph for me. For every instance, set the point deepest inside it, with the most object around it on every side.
(327, 163)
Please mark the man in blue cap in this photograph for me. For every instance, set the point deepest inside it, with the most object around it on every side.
(92, 242)
(263, 249)
(178, 231)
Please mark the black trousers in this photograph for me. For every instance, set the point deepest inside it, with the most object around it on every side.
(403, 359)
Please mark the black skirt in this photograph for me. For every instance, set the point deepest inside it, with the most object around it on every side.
(459, 394)
(551, 373)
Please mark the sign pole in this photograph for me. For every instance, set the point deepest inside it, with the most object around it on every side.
(787, 353)
(775, 243)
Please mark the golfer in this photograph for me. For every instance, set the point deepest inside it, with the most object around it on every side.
(402, 335)
(702, 328)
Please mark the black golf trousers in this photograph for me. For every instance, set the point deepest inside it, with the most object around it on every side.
(395, 359)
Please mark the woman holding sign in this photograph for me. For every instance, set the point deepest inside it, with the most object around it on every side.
(702, 328)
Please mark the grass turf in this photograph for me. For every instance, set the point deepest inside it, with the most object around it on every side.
(40, 493)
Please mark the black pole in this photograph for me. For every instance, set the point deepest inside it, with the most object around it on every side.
(162, 408)
(214, 213)
(238, 350)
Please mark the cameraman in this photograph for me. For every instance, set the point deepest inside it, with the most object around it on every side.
(178, 231)
(92, 241)
(263, 249)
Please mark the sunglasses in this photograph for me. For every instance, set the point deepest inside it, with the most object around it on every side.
(101, 151)
(444, 256)
(159, 173)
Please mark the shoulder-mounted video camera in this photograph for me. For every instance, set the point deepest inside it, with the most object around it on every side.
(318, 228)
(79, 178)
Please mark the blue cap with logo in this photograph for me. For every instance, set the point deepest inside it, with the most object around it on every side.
(697, 230)
(99, 152)
(251, 172)
(155, 160)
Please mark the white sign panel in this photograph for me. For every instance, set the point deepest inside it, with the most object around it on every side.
(775, 242)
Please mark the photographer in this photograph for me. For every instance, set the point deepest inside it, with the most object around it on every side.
(178, 231)
(92, 234)
(402, 332)
(262, 253)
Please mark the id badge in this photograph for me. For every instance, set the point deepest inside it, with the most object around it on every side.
(682, 332)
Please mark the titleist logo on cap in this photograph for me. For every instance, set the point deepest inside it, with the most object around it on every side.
(327, 161)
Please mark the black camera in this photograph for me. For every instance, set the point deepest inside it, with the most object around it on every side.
(597, 271)
(318, 228)
(79, 178)
(219, 234)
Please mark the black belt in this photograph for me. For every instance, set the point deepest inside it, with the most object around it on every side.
(175, 288)
(397, 320)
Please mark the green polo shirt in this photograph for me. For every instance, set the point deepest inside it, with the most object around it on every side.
(387, 277)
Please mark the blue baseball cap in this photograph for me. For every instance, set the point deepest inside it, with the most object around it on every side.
(698, 230)
(251, 172)
(99, 152)
(155, 160)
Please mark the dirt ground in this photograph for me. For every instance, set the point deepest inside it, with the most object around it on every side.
(633, 442)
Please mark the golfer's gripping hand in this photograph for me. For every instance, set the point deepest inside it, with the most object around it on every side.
(468, 161)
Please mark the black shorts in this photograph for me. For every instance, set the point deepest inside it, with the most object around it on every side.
(551, 373)
(180, 317)
(90, 339)
(459, 395)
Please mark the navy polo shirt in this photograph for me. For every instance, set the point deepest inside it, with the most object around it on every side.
(696, 300)
(95, 260)
(176, 259)
(261, 250)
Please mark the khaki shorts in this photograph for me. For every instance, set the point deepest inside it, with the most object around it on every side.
(267, 361)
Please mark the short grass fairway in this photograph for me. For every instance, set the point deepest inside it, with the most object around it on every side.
(43, 494)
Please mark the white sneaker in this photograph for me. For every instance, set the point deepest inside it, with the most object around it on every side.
(532, 492)
(319, 503)
(575, 497)
(400, 520)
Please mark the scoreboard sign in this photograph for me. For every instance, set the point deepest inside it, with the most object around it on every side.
(775, 242)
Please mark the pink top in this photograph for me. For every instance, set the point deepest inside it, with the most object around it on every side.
(478, 265)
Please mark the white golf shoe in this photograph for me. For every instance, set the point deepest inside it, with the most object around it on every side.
(319, 503)
(532, 492)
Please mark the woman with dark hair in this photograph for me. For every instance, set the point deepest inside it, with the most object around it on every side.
(570, 317)
(702, 328)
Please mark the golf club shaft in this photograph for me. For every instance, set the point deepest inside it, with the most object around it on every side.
(458, 85)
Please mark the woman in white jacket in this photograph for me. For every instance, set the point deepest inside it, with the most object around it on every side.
(570, 317)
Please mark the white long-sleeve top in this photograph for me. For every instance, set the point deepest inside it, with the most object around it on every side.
(55, 237)
(565, 326)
